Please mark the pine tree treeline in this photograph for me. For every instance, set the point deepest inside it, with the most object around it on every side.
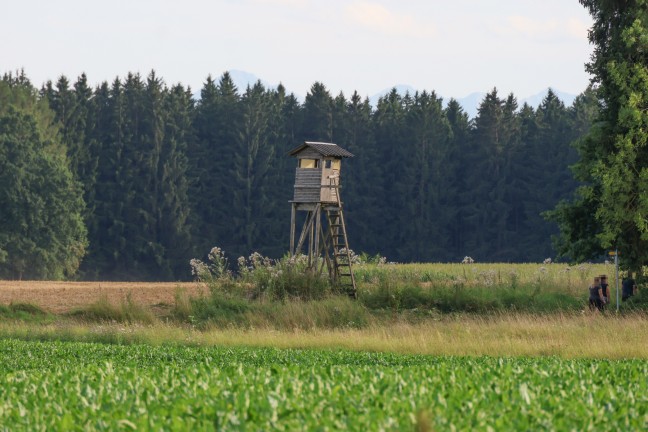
(165, 176)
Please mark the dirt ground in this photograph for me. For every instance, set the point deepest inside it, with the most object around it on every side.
(61, 297)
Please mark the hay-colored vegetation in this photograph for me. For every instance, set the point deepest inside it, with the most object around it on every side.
(569, 336)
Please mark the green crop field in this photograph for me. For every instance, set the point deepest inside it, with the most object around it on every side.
(81, 386)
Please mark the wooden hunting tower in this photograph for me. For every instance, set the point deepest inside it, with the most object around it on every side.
(317, 192)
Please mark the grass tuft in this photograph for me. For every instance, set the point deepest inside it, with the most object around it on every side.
(25, 312)
(104, 311)
(26, 308)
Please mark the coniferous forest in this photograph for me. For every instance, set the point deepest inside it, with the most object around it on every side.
(128, 180)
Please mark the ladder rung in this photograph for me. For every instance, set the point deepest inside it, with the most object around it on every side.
(345, 274)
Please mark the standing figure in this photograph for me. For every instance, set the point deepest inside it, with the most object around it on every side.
(606, 291)
(596, 295)
(628, 287)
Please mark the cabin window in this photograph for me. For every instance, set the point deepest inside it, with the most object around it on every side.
(308, 163)
(336, 164)
(327, 164)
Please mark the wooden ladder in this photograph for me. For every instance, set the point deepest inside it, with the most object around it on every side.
(342, 265)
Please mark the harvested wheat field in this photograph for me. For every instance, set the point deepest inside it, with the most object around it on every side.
(61, 297)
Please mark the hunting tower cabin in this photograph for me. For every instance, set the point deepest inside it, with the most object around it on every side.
(317, 193)
(318, 172)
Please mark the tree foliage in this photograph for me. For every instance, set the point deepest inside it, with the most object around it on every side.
(42, 234)
(167, 174)
(610, 209)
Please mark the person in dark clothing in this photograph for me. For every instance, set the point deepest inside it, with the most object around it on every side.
(628, 288)
(606, 290)
(596, 295)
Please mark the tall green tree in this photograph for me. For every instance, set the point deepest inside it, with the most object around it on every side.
(217, 124)
(458, 198)
(548, 155)
(42, 234)
(74, 108)
(361, 175)
(610, 209)
(424, 186)
(158, 202)
(253, 157)
(487, 212)
(110, 247)
(173, 221)
(284, 112)
(317, 124)
(389, 125)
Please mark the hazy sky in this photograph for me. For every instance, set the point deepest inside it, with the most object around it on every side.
(454, 47)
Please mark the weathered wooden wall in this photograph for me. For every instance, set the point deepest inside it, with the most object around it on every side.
(308, 183)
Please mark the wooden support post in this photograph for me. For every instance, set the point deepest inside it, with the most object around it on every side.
(293, 221)
(325, 250)
(302, 237)
(318, 215)
(311, 226)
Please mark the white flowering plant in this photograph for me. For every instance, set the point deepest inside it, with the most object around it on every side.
(259, 276)
(216, 268)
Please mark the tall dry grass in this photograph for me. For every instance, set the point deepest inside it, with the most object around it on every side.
(127, 311)
(564, 335)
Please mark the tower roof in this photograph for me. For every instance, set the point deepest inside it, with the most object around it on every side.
(325, 149)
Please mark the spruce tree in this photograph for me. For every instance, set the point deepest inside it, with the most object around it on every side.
(201, 156)
(389, 126)
(283, 113)
(459, 194)
(252, 162)
(547, 157)
(423, 183)
(487, 212)
(317, 124)
(361, 191)
(173, 224)
(110, 244)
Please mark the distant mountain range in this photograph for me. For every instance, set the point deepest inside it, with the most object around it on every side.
(469, 103)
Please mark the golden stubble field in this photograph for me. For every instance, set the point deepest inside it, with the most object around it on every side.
(62, 297)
